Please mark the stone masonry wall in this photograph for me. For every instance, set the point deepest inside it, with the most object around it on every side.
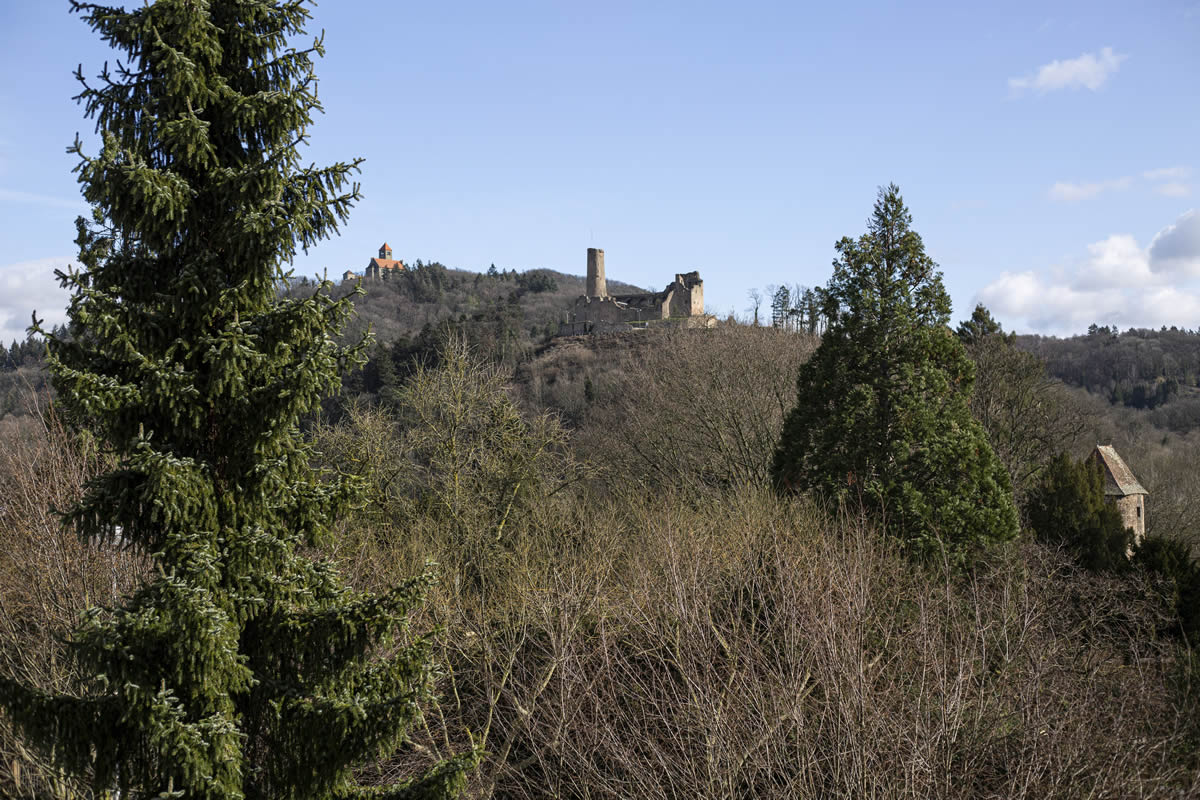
(1133, 514)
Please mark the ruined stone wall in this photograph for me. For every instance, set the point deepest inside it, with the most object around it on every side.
(602, 309)
(682, 302)
(646, 306)
(687, 295)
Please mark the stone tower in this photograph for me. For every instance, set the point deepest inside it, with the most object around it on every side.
(595, 273)
(385, 251)
(1122, 489)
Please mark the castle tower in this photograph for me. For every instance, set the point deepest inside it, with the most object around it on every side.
(385, 251)
(595, 273)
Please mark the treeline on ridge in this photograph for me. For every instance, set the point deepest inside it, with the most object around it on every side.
(1140, 368)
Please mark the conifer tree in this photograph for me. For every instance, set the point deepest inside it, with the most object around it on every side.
(1068, 509)
(241, 669)
(882, 406)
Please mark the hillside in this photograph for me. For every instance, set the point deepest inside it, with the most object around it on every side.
(1153, 370)
(531, 303)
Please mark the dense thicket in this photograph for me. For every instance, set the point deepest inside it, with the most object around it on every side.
(881, 417)
(241, 668)
(629, 632)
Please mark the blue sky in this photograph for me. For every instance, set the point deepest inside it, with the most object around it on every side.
(1048, 151)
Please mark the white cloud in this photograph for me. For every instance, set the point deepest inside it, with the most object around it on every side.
(1176, 248)
(1068, 192)
(26, 286)
(1118, 283)
(1090, 71)
(1167, 173)
(1115, 261)
(1072, 192)
(1173, 189)
(1046, 307)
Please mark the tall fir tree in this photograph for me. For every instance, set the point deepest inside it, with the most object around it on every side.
(242, 668)
(882, 413)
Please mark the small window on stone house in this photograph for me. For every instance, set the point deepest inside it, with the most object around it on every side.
(1139, 508)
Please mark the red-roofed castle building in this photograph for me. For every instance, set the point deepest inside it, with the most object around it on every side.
(384, 266)
(380, 268)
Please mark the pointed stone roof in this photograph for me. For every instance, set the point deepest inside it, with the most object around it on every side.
(1119, 480)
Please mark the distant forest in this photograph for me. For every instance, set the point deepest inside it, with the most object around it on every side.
(1141, 368)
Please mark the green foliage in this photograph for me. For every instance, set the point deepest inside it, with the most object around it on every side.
(881, 415)
(1172, 560)
(242, 668)
(1068, 509)
(453, 457)
(981, 327)
(537, 281)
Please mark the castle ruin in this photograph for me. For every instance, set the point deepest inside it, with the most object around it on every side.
(681, 303)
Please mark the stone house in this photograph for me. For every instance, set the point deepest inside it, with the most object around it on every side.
(1122, 488)
(682, 303)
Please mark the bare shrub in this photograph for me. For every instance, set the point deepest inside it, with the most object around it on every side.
(781, 661)
(48, 577)
(672, 644)
(750, 647)
(459, 468)
(697, 408)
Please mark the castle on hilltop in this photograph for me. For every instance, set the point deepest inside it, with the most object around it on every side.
(681, 303)
(380, 268)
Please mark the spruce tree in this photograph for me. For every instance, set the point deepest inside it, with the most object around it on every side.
(882, 414)
(242, 668)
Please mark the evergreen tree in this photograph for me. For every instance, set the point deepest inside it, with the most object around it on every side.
(241, 669)
(1068, 509)
(780, 304)
(982, 327)
(882, 406)
(1171, 559)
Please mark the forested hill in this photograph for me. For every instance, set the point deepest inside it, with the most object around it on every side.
(503, 314)
(1140, 368)
(515, 307)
